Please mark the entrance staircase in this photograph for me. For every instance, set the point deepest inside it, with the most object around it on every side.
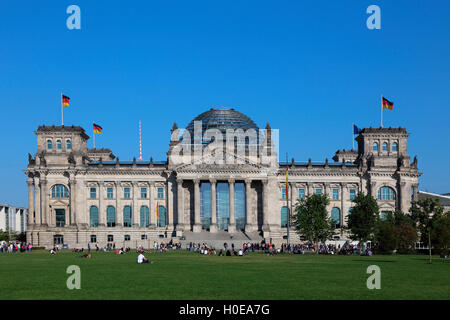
(217, 239)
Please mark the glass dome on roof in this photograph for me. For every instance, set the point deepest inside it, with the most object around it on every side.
(222, 118)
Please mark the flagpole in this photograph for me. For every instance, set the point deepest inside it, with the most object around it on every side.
(62, 111)
(381, 111)
(93, 134)
(353, 136)
(287, 200)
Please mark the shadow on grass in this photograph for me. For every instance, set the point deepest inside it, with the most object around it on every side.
(374, 260)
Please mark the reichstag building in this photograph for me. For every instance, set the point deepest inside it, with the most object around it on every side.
(222, 177)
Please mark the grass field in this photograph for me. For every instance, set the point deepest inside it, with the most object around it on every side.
(184, 275)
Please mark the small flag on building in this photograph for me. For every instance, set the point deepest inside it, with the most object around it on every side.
(356, 130)
(386, 104)
(65, 100)
(97, 128)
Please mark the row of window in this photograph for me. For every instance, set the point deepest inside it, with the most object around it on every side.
(335, 193)
(384, 193)
(110, 237)
(385, 146)
(127, 216)
(126, 193)
(60, 191)
(59, 144)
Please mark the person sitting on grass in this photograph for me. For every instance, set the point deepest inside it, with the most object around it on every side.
(142, 259)
(52, 251)
(87, 255)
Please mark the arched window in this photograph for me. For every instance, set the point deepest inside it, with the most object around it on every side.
(69, 144)
(375, 146)
(110, 216)
(385, 146)
(384, 214)
(127, 216)
(58, 144)
(49, 144)
(60, 191)
(395, 146)
(161, 216)
(93, 216)
(386, 193)
(336, 216)
(145, 217)
(284, 217)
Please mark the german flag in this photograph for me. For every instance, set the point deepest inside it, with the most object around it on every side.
(157, 214)
(386, 104)
(65, 100)
(97, 128)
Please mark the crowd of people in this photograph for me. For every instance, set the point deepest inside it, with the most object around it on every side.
(13, 246)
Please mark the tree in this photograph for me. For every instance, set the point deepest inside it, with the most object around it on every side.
(311, 218)
(406, 237)
(404, 232)
(385, 237)
(440, 236)
(363, 217)
(424, 213)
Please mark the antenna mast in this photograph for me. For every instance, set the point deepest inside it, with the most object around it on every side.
(140, 142)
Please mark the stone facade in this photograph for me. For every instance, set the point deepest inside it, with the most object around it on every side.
(75, 192)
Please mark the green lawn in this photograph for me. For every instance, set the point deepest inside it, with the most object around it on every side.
(184, 275)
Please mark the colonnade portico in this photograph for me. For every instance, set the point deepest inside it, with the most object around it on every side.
(250, 218)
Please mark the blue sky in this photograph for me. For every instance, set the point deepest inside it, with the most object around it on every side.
(310, 68)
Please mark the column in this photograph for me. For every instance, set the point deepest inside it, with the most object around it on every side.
(72, 210)
(170, 202)
(119, 207)
(197, 223)
(310, 189)
(44, 208)
(102, 211)
(249, 226)
(213, 226)
(344, 197)
(30, 202)
(151, 206)
(232, 224)
(415, 195)
(180, 207)
(136, 213)
(37, 201)
(265, 197)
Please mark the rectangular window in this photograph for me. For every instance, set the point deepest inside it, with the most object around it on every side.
(143, 237)
(160, 193)
(143, 193)
(319, 191)
(126, 193)
(93, 193)
(335, 194)
(110, 238)
(352, 194)
(93, 238)
(301, 193)
(283, 193)
(109, 193)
